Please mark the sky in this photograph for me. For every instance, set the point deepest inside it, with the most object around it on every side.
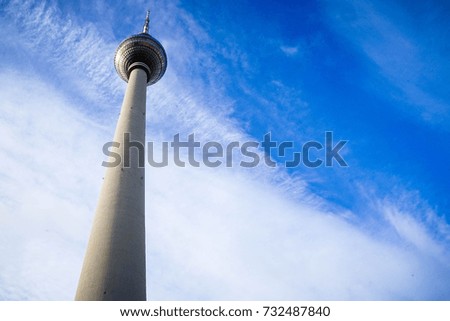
(374, 73)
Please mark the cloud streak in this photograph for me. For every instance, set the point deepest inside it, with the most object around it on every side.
(46, 199)
(246, 240)
(405, 57)
(74, 52)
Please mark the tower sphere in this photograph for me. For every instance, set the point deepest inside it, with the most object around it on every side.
(137, 50)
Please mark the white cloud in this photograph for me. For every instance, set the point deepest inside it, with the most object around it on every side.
(289, 51)
(66, 48)
(229, 236)
(50, 175)
(412, 230)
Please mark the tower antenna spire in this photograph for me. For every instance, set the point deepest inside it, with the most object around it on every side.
(147, 20)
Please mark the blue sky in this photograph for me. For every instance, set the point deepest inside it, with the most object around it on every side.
(374, 73)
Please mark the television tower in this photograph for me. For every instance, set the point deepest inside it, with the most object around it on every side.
(114, 263)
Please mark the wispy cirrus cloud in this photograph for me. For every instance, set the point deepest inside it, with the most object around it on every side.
(404, 55)
(65, 49)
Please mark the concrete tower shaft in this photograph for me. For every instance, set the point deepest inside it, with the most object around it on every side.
(114, 264)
